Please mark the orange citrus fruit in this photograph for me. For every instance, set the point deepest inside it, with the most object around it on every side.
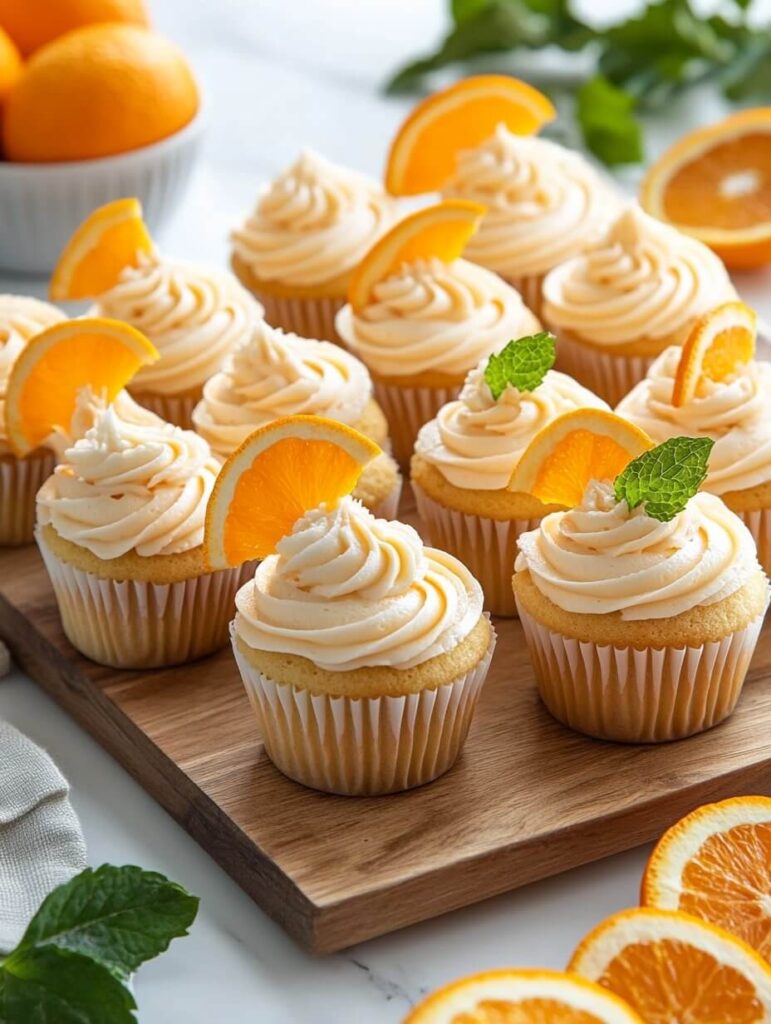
(279, 473)
(98, 91)
(522, 997)
(577, 447)
(10, 65)
(671, 967)
(422, 156)
(720, 341)
(440, 231)
(110, 239)
(33, 23)
(716, 865)
(715, 184)
(57, 363)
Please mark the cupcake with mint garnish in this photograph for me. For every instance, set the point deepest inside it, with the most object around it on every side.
(464, 459)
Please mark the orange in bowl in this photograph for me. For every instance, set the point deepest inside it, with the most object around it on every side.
(32, 23)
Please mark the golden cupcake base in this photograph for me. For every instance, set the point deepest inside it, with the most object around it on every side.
(20, 480)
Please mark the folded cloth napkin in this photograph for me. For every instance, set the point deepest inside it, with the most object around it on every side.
(41, 842)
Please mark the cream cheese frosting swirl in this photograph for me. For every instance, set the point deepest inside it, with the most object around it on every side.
(346, 590)
(644, 279)
(603, 557)
(476, 441)
(432, 315)
(276, 374)
(733, 412)
(194, 315)
(127, 486)
(314, 223)
(544, 203)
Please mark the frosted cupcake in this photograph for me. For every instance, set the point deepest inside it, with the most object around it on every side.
(276, 374)
(627, 298)
(309, 229)
(464, 459)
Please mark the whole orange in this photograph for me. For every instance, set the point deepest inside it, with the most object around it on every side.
(33, 23)
(98, 91)
(10, 64)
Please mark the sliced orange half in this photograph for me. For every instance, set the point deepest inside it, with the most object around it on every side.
(721, 340)
(110, 239)
(279, 473)
(669, 967)
(716, 865)
(440, 232)
(715, 184)
(422, 156)
(577, 447)
(56, 363)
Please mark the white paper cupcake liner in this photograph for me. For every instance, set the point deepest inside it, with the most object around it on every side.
(609, 376)
(639, 696)
(406, 410)
(176, 409)
(758, 522)
(310, 318)
(389, 506)
(20, 480)
(367, 746)
(530, 287)
(487, 547)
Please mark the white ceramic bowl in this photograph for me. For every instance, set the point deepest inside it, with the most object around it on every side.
(42, 204)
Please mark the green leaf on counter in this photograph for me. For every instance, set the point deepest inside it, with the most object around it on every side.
(666, 477)
(522, 364)
(606, 115)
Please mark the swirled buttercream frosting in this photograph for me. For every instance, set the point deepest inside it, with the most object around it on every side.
(476, 441)
(313, 223)
(733, 412)
(276, 374)
(604, 557)
(438, 316)
(346, 590)
(544, 202)
(644, 279)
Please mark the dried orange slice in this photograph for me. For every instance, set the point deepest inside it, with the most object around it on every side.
(669, 967)
(577, 447)
(422, 156)
(279, 473)
(716, 865)
(109, 240)
(522, 997)
(56, 363)
(440, 231)
(720, 341)
(715, 184)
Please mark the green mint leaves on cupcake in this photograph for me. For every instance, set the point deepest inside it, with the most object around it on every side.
(523, 364)
(666, 477)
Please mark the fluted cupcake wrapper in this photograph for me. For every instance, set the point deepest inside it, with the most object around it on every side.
(758, 522)
(20, 480)
(176, 409)
(607, 375)
(406, 410)
(530, 287)
(487, 547)
(366, 746)
(389, 506)
(310, 318)
(639, 696)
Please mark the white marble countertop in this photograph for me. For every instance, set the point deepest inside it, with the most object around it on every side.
(278, 75)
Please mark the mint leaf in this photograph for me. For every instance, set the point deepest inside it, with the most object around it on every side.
(606, 115)
(523, 364)
(666, 477)
(118, 916)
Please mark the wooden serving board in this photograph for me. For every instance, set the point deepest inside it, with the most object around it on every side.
(528, 798)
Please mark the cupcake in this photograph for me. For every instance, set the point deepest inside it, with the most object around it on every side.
(20, 478)
(275, 374)
(631, 295)
(642, 605)
(309, 229)
(464, 459)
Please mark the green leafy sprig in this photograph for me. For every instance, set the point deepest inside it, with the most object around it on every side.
(666, 477)
(523, 364)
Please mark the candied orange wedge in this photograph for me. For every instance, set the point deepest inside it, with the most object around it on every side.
(110, 239)
(720, 341)
(57, 363)
(279, 473)
(462, 116)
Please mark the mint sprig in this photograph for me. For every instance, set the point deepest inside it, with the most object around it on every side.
(522, 364)
(666, 477)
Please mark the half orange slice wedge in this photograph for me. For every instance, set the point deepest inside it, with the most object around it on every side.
(720, 341)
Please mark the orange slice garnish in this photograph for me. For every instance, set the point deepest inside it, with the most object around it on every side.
(715, 184)
(669, 966)
(279, 473)
(720, 341)
(572, 450)
(110, 239)
(440, 232)
(716, 865)
(522, 997)
(462, 116)
(57, 363)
